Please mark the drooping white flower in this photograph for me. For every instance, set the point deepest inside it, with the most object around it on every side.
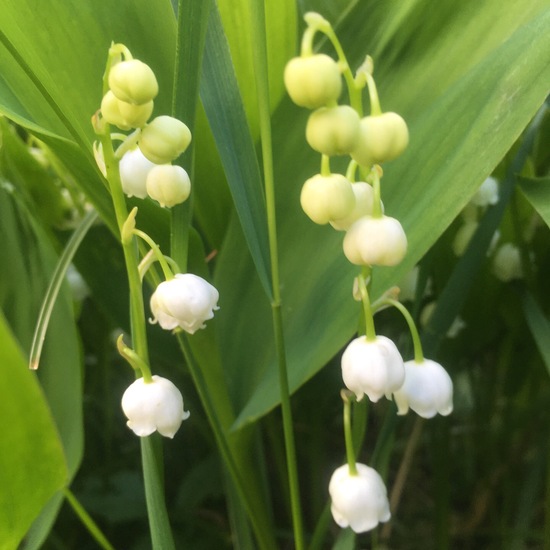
(507, 263)
(359, 501)
(372, 367)
(186, 301)
(364, 201)
(134, 169)
(154, 406)
(375, 241)
(428, 390)
(464, 236)
(487, 193)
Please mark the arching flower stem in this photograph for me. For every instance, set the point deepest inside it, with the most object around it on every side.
(418, 353)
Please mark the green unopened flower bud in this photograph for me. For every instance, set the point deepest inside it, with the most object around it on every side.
(381, 138)
(133, 81)
(313, 81)
(364, 201)
(375, 241)
(327, 198)
(164, 139)
(169, 185)
(333, 130)
(125, 115)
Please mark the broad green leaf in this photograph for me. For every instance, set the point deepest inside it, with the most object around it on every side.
(484, 107)
(539, 325)
(23, 283)
(281, 45)
(537, 191)
(52, 59)
(225, 112)
(32, 464)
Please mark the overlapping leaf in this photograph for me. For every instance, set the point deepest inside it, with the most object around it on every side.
(464, 112)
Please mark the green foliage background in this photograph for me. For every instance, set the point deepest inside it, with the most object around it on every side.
(467, 77)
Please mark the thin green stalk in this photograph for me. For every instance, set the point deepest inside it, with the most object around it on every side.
(87, 520)
(137, 311)
(159, 523)
(262, 85)
(316, 23)
(369, 320)
(347, 396)
(158, 254)
(418, 353)
(261, 529)
(377, 200)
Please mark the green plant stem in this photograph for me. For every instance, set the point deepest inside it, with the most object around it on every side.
(87, 520)
(377, 199)
(325, 165)
(137, 311)
(369, 320)
(158, 254)
(316, 23)
(262, 86)
(375, 109)
(350, 451)
(418, 353)
(161, 534)
(214, 413)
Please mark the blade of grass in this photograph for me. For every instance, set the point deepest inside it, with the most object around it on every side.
(55, 284)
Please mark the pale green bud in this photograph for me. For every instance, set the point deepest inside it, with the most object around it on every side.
(327, 198)
(375, 241)
(125, 115)
(169, 185)
(133, 81)
(313, 81)
(381, 138)
(164, 139)
(333, 130)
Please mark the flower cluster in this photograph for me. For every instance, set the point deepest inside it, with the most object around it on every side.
(147, 153)
(314, 81)
(371, 364)
(141, 167)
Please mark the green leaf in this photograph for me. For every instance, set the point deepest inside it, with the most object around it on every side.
(280, 31)
(539, 326)
(537, 191)
(460, 129)
(225, 112)
(32, 463)
(22, 287)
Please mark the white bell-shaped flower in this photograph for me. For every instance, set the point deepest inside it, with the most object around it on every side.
(428, 390)
(375, 241)
(358, 501)
(364, 205)
(507, 263)
(154, 406)
(487, 194)
(186, 301)
(134, 168)
(372, 367)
